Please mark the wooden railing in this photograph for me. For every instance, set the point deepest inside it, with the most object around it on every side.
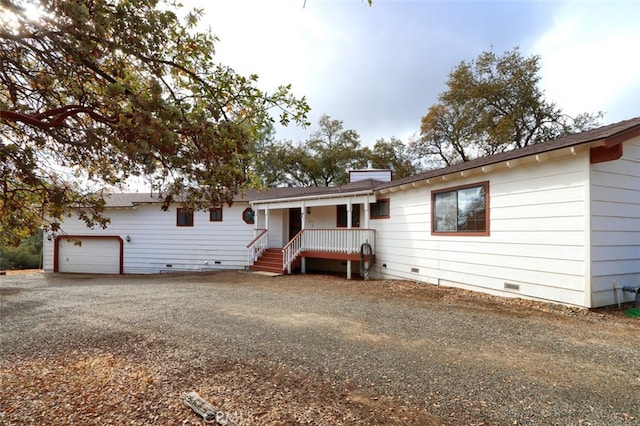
(258, 245)
(346, 241)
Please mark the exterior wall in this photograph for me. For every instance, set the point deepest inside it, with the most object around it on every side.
(381, 175)
(321, 217)
(537, 242)
(278, 222)
(157, 242)
(615, 224)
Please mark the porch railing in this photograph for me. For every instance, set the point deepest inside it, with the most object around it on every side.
(347, 241)
(258, 245)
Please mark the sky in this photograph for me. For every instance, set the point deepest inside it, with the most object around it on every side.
(378, 69)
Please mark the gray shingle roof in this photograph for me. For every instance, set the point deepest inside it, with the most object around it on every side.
(628, 128)
(130, 199)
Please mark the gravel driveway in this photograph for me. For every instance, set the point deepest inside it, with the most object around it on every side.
(306, 349)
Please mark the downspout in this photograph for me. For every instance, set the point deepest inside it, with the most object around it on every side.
(303, 225)
(349, 226)
(588, 295)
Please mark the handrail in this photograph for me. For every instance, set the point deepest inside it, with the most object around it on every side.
(258, 245)
(291, 251)
(347, 241)
(262, 232)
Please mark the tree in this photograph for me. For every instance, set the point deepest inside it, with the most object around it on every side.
(25, 256)
(394, 155)
(492, 105)
(322, 160)
(94, 92)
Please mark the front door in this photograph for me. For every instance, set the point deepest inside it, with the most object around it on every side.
(295, 221)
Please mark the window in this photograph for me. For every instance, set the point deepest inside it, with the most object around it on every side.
(184, 217)
(379, 209)
(248, 216)
(342, 216)
(462, 210)
(215, 214)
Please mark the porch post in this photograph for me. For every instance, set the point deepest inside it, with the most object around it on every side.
(256, 219)
(266, 218)
(366, 213)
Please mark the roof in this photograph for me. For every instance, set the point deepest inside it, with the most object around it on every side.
(130, 199)
(365, 185)
(618, 132)
(610, 135)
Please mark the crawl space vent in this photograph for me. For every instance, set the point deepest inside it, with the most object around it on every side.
(510, 286)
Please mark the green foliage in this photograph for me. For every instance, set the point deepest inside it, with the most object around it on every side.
(327, 156)
(492, 105)
(322, 160)
(394, 155)
(25, 256)
(94, 92)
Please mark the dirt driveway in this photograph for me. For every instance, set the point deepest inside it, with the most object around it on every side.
(305, 350)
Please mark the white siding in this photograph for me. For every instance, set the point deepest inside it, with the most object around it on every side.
(615, 224)
(156, 241)
(537, 234)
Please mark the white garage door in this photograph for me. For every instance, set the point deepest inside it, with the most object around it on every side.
(91, 256)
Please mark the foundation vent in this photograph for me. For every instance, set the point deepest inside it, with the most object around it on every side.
(415, 270)
(510, 286)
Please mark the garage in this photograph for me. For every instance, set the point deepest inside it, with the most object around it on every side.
(88, 254)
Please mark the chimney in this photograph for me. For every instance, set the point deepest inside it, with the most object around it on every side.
(370, 165)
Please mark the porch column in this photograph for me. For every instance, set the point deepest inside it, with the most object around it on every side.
(266, 218)
(256, 219)
(366, 213)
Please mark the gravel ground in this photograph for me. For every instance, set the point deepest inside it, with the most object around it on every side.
(305, 349)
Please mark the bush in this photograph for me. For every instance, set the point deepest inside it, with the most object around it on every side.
(26, 256)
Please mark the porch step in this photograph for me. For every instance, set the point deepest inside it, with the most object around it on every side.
(270, 261)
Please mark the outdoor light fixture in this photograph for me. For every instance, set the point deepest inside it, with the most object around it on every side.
(49, 237)
(128, 238)
(308, 210)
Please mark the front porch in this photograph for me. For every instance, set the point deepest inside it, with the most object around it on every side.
(315, 224)
(338, 244)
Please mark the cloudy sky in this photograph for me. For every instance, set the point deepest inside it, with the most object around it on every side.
(379, 69)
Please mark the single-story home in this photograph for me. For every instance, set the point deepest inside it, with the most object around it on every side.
(557, 221)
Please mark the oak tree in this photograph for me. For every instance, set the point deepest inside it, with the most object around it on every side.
(324, 159)
(93, 92)
(493, 104)
(394, 155)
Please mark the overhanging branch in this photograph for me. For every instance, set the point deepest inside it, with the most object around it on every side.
(54, 117)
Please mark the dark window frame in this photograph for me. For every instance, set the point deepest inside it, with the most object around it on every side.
(377, 215)
(341, 216)
(249, 216)
(215, 214)
(457, 189)
(188, 216)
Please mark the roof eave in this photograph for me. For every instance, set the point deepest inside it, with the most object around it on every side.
(314, 197)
